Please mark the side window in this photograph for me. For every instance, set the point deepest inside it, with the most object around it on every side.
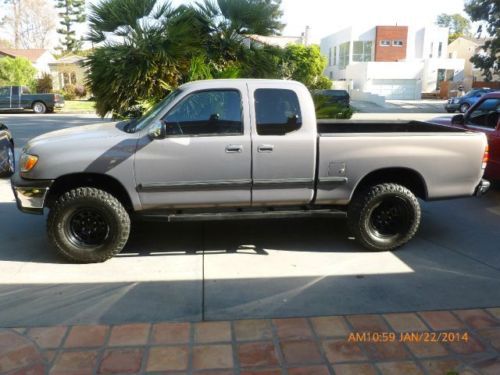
(206, 113)
(277, 111)
(4, 91)
(486, 115)
(15, 91)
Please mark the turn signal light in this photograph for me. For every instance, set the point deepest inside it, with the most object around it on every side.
(27, 162)
(486, 156)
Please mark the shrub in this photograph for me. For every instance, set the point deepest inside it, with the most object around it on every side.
(17, 72)
(44, 84)
(80, 91)
(325, 110)
(69, 92)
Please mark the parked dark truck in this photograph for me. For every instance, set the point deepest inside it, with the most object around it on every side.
(242, 149)
(19, 98)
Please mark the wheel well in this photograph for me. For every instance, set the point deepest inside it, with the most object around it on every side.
(99, 181)
(38, 101)
(402, 176)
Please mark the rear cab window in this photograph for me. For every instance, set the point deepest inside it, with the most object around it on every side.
(277, 111)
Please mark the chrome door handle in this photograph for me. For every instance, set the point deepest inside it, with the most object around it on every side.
(234, 149)
(265, 148)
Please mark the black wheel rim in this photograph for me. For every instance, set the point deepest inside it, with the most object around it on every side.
(390, 218)
(87, 227)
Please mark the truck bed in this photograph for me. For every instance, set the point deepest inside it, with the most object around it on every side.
(326, 127)
(448, 159)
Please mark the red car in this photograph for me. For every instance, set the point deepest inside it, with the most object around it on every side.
(483, 117)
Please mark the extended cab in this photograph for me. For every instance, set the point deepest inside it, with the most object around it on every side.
(19, 97)
(237, 149)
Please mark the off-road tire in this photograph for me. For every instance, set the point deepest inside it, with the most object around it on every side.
(9, 167)
(360, 216)
(113, 213)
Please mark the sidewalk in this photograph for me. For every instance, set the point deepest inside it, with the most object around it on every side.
(295, 346)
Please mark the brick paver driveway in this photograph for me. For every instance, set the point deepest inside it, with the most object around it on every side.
(469, 344)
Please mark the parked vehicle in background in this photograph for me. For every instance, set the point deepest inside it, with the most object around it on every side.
(483, 117)
(334, 96)
(19, 98)
(242, 149)
(463, 103)
(7, 161)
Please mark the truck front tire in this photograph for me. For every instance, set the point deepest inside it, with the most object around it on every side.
(88, 225)
(384, 217)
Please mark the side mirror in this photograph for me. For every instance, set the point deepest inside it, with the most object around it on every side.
(158, 130)
(458, 120)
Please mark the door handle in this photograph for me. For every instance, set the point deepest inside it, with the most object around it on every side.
(234, 149)
(265, 148)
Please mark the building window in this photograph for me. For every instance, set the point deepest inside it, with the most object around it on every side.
(385, 43)
(432, 49)
(335, 55)
(344, 50)
(440, 49)
(330, 56)
(397, 43)
(331, 76)
(362, 51)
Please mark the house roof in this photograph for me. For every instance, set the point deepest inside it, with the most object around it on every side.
(31, 54)
(275, 40)
(68, 59)
(476, 41)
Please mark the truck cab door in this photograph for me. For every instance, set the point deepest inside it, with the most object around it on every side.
(204, 159)
(15, 101)
(5, 97)
(284, 142)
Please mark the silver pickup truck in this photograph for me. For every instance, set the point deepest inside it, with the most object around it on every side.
(242, 149)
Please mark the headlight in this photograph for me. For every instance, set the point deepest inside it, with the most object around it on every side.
(456, 100)
(27, 162)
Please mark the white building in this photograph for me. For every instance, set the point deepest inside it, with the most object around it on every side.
(395, 62)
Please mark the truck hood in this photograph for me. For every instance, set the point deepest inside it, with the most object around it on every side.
(80, 133)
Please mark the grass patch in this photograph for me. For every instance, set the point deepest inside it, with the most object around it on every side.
(79, 106)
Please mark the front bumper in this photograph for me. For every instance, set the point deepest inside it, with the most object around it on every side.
(482, 188)
(30, 194)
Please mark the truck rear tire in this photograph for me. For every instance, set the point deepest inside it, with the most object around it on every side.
(88, 225)
(384, 217)
(39, 107)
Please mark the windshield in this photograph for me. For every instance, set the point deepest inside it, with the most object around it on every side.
(145, 120)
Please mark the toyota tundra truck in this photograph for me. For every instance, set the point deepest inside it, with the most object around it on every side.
(242, 149)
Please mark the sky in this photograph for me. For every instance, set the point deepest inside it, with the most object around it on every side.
(328, 16)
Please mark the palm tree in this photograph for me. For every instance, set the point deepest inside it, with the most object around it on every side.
(145, 48)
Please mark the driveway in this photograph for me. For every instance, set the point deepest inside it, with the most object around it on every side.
(401, 106)
(252, 269)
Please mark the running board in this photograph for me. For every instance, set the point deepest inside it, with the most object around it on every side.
(219, 216)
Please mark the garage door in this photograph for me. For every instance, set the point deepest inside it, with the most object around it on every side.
(395, 88)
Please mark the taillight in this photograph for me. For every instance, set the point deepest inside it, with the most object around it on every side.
(486, 156)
